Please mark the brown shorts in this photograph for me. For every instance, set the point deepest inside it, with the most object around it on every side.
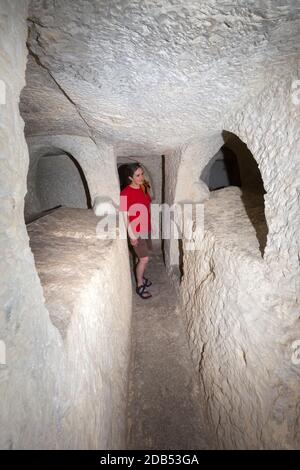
(144, 245)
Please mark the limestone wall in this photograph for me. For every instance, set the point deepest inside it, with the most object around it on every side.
(31, 342)
(171, 247)
(96, 159)
(249, 171)
(59, 183)
(87, 292)
(46, 382)
(241, 309)
(183, 168)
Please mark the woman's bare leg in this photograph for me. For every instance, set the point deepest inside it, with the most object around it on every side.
(140, 269)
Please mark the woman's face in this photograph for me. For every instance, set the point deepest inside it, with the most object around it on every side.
(138, 176)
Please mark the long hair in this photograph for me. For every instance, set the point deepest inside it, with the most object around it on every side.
(130, 170)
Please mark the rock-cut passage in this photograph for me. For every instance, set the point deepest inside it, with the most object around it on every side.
(163, 410)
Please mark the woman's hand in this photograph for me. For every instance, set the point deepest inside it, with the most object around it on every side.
(133, 241)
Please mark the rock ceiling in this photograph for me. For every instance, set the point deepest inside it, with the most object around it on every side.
(149, 75)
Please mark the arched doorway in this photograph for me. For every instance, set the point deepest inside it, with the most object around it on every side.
(55, 179)
(222, 170)
(235, 165)
(60, 180)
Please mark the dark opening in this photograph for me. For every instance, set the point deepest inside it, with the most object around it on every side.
(223, 170)
(60, 184)
(234, 165)
(122, 171)
(83, 180)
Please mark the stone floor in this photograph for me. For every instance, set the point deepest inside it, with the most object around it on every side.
(163, 411)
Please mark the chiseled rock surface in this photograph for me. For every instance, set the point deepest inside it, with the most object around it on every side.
(96, 159)
(150, 75)
(240, 325)
(232, 207)
(105, 79)
(87, 292)
(68, 223)
(33, 346)
(67, 257)
(242, 309)
(59, 182)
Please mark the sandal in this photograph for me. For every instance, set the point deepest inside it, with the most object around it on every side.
(147, 282)
(144, 294)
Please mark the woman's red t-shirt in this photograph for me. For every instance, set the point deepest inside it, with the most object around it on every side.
(131, 196)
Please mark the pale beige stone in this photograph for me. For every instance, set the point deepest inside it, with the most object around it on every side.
(140, 80)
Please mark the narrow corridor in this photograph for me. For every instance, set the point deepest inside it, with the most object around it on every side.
(205, 98)
(163, 410)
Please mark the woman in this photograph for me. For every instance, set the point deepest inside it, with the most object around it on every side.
(136, 200)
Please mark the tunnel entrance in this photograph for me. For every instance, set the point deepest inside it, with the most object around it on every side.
(60, 181)
(55, 179)
(235, 166)
(223, 170)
